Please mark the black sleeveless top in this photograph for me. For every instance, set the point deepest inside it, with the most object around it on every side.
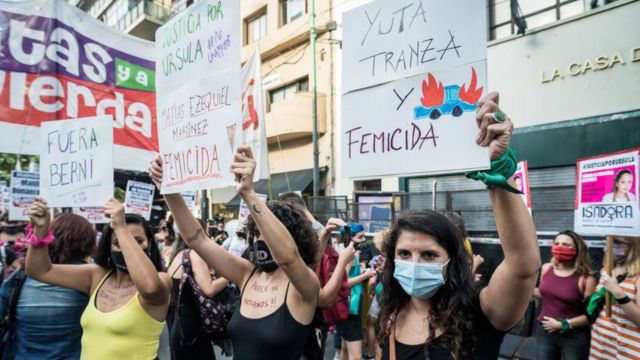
(486, 347)
(275, 336)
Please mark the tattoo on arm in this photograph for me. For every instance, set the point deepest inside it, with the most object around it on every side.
(195, 236)
(256, 208)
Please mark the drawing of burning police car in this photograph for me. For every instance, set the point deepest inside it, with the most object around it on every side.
(437, 100)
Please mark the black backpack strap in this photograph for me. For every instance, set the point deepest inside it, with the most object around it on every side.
(19, 280)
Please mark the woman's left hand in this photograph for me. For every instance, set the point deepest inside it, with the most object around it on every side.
(611, 285)
(550, 324)
(114, 210)
(243, 168)
(495, 126)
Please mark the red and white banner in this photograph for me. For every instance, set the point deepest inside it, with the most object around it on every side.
(57, 62)
(253, 119)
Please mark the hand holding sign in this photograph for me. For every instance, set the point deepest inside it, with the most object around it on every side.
(114, 210)
(243, 167)
(495, 127)
(38, 213)
(155, 171)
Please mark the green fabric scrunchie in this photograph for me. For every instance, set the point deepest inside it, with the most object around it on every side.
(501, 170)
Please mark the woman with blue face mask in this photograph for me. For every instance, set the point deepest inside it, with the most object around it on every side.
(430, 307)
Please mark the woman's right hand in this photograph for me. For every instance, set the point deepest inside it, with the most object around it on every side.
(38, 213)
(155, 171)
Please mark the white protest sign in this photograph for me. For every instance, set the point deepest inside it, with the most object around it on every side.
(94, 215)
(190, 199)
(521, 179)
(384, 136)
(198, 95)
(253, 120)
(391, 40)
(76, 161)
(139, 198)
(608, 194)
(244, 212)
(25, 186)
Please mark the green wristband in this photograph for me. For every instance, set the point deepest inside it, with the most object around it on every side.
(565, 326)
(501, 170)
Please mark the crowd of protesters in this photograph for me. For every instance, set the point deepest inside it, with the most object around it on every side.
(283, 283)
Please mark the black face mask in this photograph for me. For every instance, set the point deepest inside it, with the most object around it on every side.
(118, 260)
(262, 255)
(12, 230)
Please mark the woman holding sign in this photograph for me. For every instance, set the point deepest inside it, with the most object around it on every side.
(279, 288)
(430, 304)
(129, 293)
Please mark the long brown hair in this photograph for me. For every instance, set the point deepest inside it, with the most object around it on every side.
(75, 239)
(633, 256)
(582, 262)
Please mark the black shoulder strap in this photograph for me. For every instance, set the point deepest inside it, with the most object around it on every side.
(245, 284)
(19, 279)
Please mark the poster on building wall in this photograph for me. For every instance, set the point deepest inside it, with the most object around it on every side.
(607, 201)
(243, 213)
(375, 212)
(414, 73)
(76, 162)
(25, 186)
(58, 62)
(199, 96)
(139, 198)
(94, 214)
(254, 131)
(521, 179)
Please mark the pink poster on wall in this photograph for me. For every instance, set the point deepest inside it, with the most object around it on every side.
(521, 179)
(607, 194)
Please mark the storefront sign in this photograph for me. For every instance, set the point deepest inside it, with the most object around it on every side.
(600, 63)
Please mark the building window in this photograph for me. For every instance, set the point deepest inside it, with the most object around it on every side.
(292, 9)
(287, 91)
(255, 27)
(536, 13)
(368, 185)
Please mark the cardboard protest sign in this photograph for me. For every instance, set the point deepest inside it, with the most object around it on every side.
(521, 179)
(244, 212)
(391, 40)
(607, 194)
(198, 92)
(414, 72)
(25, 186)
(94, 215)
(190, 199)
(139, 198)
(76, 163)
(59, 62)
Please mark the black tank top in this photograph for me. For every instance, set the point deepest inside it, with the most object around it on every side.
(275, 336)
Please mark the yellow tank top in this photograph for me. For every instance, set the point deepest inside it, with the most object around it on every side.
(124, 333)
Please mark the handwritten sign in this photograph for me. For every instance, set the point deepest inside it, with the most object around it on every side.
(398, 128)
(521, 179)
(414, 72)
(198, 89)
(243, 213)
(391, 40)
(139, 198)
(25, 187)
(93, 214)
(607, 194)
(76, 161)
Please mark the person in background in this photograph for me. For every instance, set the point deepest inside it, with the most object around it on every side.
(375, 289)
(12, 235)
(129, 291)
(171, 232)
(237, 244)
(350, 330)
(475, 259)
(279, 288)
(293, 197)
(618, 336)
(47, 317)
(622, 185)
(185, 324)
(565, 282)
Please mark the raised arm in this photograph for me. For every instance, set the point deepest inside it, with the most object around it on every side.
(275, 234)
(202, 275)
(38, 263)
(506, 297)
(154, 287)
(330, 290)
(332, 225)
(225, 264)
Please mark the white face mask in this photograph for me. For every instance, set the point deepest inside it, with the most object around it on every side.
(421, 280)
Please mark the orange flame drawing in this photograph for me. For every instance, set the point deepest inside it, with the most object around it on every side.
(432, 92)
(471, 95)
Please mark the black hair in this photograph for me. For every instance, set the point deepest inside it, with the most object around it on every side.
(453, 306)
(292, 198)
(293, 218)
(103, 255)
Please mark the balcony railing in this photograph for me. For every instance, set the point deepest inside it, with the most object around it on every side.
(144, 8)
(292, 118)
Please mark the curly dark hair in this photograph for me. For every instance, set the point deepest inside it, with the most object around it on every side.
(293, 218)
(454, 305)
(103, 255)
(75, 239)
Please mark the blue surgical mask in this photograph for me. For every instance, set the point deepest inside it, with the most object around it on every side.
(421, 280)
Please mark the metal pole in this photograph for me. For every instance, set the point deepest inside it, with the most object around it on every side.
(314, 101)
(434, 193)
(204, 206)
